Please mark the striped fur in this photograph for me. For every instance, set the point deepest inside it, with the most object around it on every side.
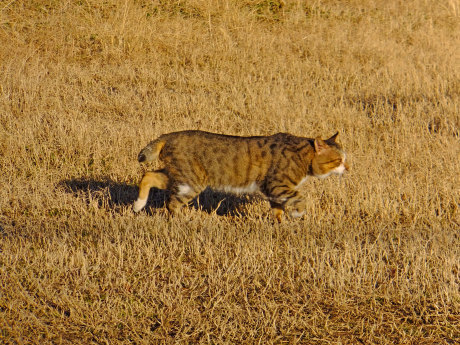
(275, 165)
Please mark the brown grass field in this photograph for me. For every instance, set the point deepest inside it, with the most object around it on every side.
(84, 85)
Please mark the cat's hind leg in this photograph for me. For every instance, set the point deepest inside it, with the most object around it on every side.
(182, 194)
(157, 179)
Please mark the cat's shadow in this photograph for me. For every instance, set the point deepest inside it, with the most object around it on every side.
(115, 195)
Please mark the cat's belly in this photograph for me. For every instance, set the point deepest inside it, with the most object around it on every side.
(185, 189)
(251, 188)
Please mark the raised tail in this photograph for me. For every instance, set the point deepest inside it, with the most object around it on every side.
(151, 151)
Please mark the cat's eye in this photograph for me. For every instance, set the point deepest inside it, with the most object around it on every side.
(335, 161)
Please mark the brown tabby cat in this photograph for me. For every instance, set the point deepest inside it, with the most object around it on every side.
(275, 165)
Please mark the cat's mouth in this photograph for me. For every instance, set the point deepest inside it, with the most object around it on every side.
(341, 169)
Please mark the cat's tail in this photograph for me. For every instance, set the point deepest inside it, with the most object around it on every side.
(151, 151)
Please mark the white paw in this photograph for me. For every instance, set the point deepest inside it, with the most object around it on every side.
(139, 204)
(297, 214)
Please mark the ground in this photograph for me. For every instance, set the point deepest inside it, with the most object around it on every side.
(84, 85)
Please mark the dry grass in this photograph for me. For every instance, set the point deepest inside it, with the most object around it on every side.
(85, 84)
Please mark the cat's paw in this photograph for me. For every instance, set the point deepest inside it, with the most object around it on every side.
(296, 214)
(139, 204)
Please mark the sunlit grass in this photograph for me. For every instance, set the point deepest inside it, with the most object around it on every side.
(84, 85)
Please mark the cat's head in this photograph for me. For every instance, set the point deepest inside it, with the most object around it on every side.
(329, 158)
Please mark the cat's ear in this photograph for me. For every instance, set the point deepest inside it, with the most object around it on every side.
(320, 145)
(332, 139)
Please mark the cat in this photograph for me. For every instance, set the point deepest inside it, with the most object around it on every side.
(275, 165)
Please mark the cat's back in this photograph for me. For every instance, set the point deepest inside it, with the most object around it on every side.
(221, 147)
(197, 142)
(217, 159)
(196, 139)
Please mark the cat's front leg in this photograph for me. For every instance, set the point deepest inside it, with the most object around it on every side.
(297, 205)
(292, 199)
(297, 212)
(278, 210)
(279, 196)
